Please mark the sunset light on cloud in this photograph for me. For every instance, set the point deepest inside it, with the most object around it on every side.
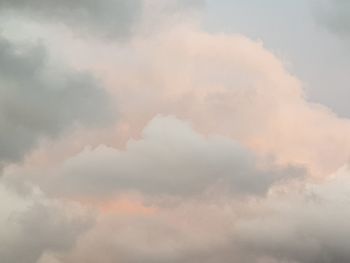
(136, 131)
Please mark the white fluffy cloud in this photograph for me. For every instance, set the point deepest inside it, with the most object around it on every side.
(223, 84)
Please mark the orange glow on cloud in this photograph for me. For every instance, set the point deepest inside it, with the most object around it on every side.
(119, 205)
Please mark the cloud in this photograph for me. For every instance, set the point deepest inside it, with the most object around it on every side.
(306, 228)
(222, 84)
(217, 180)
(170, 159)
(39, 100)
(104, 18)
(335, 15)
(114, 19)
(300, 225)
(32, 225)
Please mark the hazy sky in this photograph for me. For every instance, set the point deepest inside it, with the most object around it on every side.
(136, 131)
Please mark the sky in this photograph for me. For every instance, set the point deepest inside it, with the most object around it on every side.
(174, 131)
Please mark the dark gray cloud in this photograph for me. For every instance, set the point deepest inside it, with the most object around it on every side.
(40, 100)
(335, 15)
(105, 17)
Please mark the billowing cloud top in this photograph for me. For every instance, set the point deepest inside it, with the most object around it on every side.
(162, 142)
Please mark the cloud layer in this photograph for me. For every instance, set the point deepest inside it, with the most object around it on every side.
(32, 225)
(215, 154)
(170, 160)
(106, 18)
(41, 100)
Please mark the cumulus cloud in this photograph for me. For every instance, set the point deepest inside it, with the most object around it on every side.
(222, 84)
(38, 99)
(300, 226)
(170, 159)
(307, 228)
(214, 131)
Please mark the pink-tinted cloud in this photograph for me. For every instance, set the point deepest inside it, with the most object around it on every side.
(212, 157)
